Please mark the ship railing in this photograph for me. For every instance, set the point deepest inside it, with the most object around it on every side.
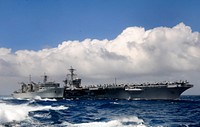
(140, 85)
(160, 84)
(104, 86)
(149, 85)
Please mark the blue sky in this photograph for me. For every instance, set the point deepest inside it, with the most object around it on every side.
(37, 24)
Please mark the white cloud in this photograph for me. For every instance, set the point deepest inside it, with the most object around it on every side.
(135, 52)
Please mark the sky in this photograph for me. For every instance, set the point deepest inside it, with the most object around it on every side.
(133, 40)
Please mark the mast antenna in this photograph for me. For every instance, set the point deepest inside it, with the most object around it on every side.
(45, 78)
(72, 75)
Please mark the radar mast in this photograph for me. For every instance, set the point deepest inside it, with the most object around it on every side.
(72, 75)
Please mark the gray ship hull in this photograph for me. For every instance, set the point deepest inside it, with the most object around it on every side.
(148, 93)
(56, 93)
(145, 93)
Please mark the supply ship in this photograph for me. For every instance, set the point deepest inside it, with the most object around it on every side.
(73, 89)
(43, 90)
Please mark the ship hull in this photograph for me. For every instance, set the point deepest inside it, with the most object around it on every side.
(146, 93)
(56, 93)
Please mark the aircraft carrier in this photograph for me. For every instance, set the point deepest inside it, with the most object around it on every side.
(145, 91)
(73, 89)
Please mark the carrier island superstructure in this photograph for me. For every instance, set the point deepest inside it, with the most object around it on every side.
(73, 89)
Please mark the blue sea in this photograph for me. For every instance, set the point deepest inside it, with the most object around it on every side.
(184, 112)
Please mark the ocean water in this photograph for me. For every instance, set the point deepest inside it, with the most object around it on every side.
(184, 112)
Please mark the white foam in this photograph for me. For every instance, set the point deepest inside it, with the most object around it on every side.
(22, 99)
(46, 99)
(37, 98)
(9, 113)
(120, 122)
(41, 115)
(51, 108)
(114, 103)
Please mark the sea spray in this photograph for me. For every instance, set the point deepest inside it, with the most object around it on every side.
(10, 112)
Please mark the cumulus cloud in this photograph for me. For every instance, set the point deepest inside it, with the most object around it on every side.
(135, 51)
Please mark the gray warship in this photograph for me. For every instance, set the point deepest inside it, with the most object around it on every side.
(73, 89)
(32, 90)
(145, 91)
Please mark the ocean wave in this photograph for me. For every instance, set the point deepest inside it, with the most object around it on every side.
(119, 122)
(100, 113)
(10, 112)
